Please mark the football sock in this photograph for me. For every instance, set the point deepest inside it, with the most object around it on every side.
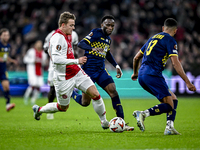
(159, 109)
(99, 108)
(7, 96)
(77, 97)
(35, 96)
(28, 92)
(117, 106)
(51, 94)
(172, 114)
(49, 108)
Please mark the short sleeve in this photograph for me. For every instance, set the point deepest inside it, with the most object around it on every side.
(142, 50)
(172, 48)
(92, 36)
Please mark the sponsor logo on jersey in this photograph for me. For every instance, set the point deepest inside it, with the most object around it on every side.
(58, 47)
(175, 51)
(69, 50)
(88, 37)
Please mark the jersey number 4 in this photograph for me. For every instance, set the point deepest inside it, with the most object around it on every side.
(150, 47)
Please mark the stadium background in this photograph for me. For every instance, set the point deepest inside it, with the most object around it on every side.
(136, 21)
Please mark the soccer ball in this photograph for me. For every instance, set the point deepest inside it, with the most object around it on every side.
(117, 124)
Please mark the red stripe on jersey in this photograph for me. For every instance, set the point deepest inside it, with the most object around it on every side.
(38, 62)
(71, 70)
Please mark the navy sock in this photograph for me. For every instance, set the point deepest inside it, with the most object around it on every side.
(117, 106)
(77, 97)
(159, 109)
(7, 96)
(172, 114)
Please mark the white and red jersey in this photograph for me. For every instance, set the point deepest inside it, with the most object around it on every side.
(35, 60)
(47, 40)
(60, 51)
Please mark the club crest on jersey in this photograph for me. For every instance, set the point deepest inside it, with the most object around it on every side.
(91, 34)
(175, 47)
(58, 47)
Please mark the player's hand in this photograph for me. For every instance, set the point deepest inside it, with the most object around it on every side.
(98, 50)
(191, 87)
(82, 60)
(119, 72)
(134, 77)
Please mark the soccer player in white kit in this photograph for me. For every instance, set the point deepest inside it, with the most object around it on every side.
(67, 73)
(52, 93)
(34, 59)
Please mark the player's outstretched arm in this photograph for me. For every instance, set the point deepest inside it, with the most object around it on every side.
(136, 62)
(111, 59)
(179, 69)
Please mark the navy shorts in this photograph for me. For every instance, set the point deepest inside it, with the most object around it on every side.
(3, 76)
(102, 79)
(154, 85)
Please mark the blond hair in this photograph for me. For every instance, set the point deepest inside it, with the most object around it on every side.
(64, 17)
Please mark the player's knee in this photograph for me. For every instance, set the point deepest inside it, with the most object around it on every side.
(113, 93)
(63, 108)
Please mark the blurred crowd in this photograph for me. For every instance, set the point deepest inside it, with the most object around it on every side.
(136, 21)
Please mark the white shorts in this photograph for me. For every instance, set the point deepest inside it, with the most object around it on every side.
(50, 77)
(36, 81)
(65, 88)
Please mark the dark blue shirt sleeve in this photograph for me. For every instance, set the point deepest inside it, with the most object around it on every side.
(83, 44)
(111, 59)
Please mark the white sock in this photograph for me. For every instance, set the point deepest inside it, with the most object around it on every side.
(34, 96)
(49, 108)
(100, 109)
(147, 113)
(27, 93)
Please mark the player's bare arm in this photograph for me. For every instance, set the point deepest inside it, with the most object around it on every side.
(136, 61)
(179, 69)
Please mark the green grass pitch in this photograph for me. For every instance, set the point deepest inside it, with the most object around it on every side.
(79, 128)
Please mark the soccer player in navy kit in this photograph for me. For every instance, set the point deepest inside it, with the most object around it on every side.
(4, 56)
(97, 48)
(155, 54)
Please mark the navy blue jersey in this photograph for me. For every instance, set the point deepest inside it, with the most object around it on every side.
(156, 52)
(95, 61)
(4, 53)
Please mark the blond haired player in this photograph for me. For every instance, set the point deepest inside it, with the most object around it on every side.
(52, 93)
(67, 73)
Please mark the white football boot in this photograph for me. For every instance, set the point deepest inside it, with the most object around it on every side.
(169, 130)
(140, 117)
(105, 124)
(128, 128)
(36, 114)
(10, 106)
